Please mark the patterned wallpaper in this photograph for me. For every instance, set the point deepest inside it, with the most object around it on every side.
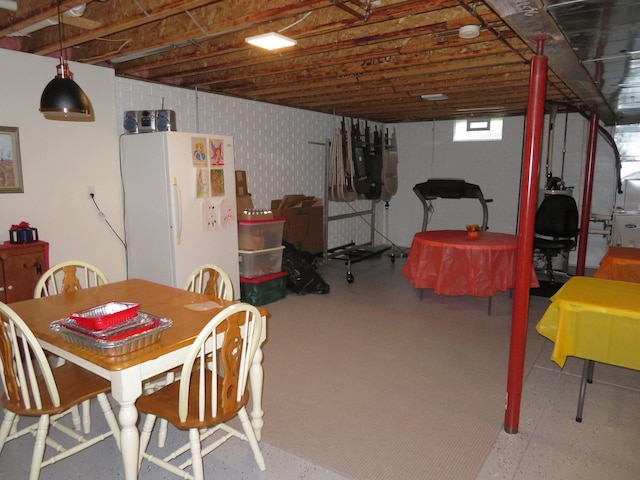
(282, 149)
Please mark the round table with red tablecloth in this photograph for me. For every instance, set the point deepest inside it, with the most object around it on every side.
(452, 263)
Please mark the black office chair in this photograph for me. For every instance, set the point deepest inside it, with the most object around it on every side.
(449, 188)
(556, 228)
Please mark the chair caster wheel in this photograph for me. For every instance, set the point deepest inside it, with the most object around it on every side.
(350, 278)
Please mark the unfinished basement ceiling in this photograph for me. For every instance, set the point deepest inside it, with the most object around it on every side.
(371, 60)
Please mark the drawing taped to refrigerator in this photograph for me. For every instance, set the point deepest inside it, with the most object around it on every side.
(180, 205)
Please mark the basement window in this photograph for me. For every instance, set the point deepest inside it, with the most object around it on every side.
(477, 130)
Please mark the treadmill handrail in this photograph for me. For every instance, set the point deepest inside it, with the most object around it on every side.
(452, 188)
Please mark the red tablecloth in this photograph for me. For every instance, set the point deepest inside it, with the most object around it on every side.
(452, 264)
(620, 263)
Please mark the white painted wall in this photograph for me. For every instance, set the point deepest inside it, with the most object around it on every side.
(60, 159)
(426, 150)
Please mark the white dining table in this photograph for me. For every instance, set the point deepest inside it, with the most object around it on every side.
(188, 311)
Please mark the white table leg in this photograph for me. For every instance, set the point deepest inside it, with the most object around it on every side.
(256, 378)
(129, 439)
(126, 387)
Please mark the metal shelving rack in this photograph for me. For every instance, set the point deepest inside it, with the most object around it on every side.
(349, 253)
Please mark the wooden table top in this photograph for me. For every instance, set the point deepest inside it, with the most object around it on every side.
(160, 300)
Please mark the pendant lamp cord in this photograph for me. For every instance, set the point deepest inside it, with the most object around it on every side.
(60, 32)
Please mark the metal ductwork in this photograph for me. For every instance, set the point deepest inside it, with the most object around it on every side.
(9, 5)
(72, 12)
(531, 22)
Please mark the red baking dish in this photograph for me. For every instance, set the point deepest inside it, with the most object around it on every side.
(105, 316)
(138, 324)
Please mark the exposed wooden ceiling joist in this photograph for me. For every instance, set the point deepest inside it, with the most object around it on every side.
(359, 58)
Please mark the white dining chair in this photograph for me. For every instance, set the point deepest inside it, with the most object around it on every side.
(212, 280)
(208, 279)
(68, 276)
(33, 389)
(204, 400)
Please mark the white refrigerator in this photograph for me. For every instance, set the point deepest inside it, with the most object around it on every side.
(179, 205)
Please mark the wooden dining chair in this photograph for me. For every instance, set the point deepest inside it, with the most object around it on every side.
(69, 276)
(208, 279)
(33, 389)
(205, 399)
(212, 280)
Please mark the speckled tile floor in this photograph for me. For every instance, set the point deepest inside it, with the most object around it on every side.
(232, 461)
(551, 445)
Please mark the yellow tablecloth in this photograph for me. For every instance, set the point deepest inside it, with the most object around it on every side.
(595, 319)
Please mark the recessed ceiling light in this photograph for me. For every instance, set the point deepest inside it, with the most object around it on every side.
(432, 97)
(271, 41)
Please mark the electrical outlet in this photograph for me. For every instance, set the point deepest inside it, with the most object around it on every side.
(91, 191)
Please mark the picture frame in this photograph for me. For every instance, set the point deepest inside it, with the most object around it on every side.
(10, 162)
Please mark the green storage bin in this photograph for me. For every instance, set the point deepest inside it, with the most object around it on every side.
(265, 289)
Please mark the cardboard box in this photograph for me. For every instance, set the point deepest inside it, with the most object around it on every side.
(243, 202)
(304, 221)
(241, 183)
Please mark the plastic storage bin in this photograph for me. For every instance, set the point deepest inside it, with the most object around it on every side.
(262, 290)
(260, 234)
(258, 263)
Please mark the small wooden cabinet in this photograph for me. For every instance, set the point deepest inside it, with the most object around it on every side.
(21, 266)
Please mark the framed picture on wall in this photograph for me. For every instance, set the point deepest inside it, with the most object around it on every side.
(10, 166)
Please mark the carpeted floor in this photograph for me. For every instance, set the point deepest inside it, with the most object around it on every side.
(374, 383)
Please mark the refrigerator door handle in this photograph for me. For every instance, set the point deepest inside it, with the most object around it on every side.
(178, 210)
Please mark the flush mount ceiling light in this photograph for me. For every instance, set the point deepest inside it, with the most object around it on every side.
(432, 97)
(274, 40)
(271, 41)
(62, 98)
(469, 31)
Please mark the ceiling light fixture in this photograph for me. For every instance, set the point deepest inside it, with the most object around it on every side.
(62, 98)
(469, 31)
(433, 97)
(274, 40)
(271, 41)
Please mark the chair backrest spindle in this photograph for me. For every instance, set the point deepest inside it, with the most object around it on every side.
(68, 276)
(23, 362)
(242, 326)
(212, 280)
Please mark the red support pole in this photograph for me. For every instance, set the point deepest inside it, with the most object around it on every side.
(527, 212)
(587, 193)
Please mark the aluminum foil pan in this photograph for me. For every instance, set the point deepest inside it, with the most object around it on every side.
(138, 324)
(113, 348)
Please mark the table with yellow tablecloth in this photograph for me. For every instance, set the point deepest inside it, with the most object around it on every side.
(597, 320)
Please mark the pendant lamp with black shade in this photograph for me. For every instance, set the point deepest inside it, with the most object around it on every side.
(62, 98)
